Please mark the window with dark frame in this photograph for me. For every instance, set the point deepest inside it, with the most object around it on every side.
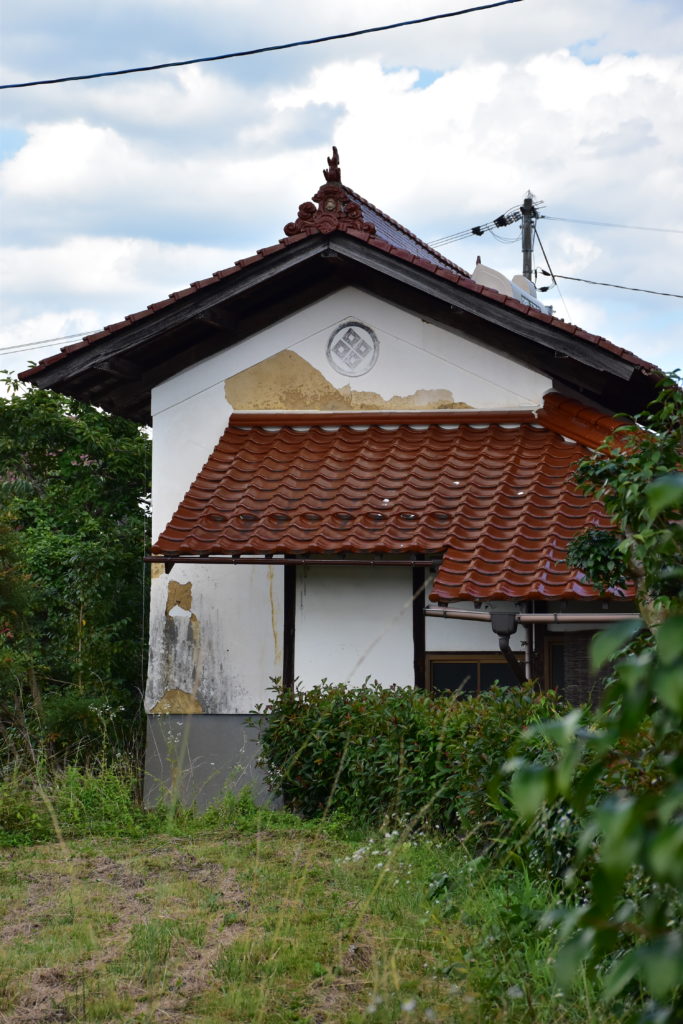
(468, 672)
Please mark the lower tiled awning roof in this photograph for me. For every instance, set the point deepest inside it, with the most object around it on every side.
(496, 499)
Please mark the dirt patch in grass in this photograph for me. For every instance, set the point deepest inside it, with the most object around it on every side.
(110, 899)
(332, 996)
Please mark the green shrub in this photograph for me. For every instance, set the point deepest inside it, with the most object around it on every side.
(97, 802)
(24, 818)
(373, 752)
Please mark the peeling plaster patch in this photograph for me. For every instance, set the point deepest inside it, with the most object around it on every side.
(287, 381)
(423, 398)
(177, 702)
(283, 381)
(157, 570)
(179, 596)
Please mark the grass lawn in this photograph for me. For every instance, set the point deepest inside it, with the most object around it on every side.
(273, 920)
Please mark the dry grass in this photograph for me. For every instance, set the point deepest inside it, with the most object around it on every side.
(289, 925)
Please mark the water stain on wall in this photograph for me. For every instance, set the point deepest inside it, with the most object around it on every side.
(274, 617)
(287, 381)
(176, 656)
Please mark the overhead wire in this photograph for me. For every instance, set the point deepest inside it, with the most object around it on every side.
(551, 274)
(261, 49)
(606, 284)
(480, 229)
(25, 346)
(501, 221)
(505, 241)
(604, 224)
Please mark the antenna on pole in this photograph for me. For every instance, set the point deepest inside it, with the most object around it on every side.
(529, 218)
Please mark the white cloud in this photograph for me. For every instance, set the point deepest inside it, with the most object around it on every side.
(126, 189)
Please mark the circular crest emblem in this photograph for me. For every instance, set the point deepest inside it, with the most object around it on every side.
(352, 349)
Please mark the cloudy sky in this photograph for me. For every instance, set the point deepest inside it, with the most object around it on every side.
(118, 191)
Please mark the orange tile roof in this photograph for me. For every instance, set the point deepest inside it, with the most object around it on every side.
(497, 499)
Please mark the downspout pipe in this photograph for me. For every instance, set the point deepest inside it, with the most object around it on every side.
(504, 624)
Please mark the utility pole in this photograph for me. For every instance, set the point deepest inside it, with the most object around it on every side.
(529, 216)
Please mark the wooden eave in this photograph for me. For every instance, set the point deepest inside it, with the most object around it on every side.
(118, 371)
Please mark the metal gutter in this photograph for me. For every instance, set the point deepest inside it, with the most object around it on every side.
(531, 617)
(170, 561)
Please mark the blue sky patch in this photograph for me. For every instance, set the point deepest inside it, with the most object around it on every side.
(11, 141)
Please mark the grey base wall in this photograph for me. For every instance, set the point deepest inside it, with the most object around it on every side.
(195, 758)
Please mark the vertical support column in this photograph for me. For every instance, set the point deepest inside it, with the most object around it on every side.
(289, 631)
(419, 577)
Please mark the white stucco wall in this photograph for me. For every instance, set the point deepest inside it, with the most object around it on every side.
(350, 624)
(354, 622)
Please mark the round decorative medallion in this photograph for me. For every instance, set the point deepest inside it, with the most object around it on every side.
(352, 349)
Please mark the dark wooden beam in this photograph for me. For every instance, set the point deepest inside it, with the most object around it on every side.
(219, 318)
(289, 631)
(419, 626)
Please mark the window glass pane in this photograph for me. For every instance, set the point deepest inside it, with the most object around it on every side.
(491, 673)
(454, 675)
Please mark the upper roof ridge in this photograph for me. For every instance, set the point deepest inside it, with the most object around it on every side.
(434, 254)
(340, 208)
(335, 211)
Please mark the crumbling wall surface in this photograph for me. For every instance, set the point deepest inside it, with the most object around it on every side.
(215, 639)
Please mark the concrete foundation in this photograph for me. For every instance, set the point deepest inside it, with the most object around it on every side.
(195, 758)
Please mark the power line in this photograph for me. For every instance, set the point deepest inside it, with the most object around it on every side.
(551, 274)
(480, 229)
(261, 49)
(46, 341)
(509, 217)
(603, 224)
(605, 284)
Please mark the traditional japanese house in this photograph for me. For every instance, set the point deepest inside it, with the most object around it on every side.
(362, 467)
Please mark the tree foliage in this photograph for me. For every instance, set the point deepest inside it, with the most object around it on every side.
(629, 923)
(644, 543)
(74, 487)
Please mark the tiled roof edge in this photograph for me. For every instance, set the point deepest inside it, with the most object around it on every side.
(577, 421)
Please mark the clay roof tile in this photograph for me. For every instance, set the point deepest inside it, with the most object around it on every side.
(503, 527)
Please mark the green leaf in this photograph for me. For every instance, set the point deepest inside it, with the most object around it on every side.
(670, 640)
(665, 854)
(607, 643)
(572, 955)
(662, 965)
(621, 972)
(621, 833)
(667, 683)
(530, 786)
(560, 730)
(665, 492)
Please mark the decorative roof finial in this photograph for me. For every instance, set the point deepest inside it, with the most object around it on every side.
(336, 209)
(332, 172)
